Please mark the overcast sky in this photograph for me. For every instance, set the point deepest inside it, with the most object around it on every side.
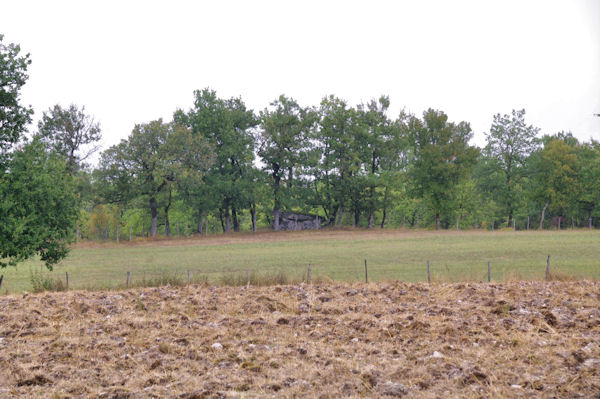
(131, 62)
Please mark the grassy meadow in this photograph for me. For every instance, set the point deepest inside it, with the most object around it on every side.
(337, 255)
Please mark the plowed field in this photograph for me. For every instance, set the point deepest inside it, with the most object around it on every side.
(514, 339)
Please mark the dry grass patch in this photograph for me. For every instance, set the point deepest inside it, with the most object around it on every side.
(516, 339)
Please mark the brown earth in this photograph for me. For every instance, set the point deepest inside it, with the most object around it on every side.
(519, 339)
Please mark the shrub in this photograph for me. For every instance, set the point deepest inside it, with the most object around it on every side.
(41, 281)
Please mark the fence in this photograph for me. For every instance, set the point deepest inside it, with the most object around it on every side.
(239, 277)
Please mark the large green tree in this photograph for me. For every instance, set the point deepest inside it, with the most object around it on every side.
(554, 175)
(150, 162)
(588, 166)
(38, 207)
(14, 117)
(442, 157)
(227, 125)
(343, 142)
(283, 143)
(509, 144)
(70, 132)
(383, 156)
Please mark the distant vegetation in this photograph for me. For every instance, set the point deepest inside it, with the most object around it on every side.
(220, 167)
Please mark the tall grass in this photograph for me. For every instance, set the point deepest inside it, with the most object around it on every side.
(42, 281)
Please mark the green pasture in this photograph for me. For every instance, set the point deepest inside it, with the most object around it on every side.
(391, 255)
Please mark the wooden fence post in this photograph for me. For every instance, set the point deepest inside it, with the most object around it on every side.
(248, 277)
(548, 268)
(67, 276)
(514, 224)
(572, 223)
(489, 273)
(308, 275)
(428, 273)
(177, 229)
(117, 233)
(366, 273)
(527, 222)
(130, 231)
(189, 279)
(128, 275)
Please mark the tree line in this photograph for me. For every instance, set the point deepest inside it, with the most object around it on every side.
(349, 165)
(222, 167)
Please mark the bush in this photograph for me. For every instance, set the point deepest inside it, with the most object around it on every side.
(41, 282)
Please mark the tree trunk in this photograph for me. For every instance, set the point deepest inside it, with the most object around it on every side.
(590, 219)
(417, 222)
(117, 233)
(154, 214)
(510, 217)
(253, 213)
(437, 220)
(383, 218)
(457, 221)
(177, 229)
(276, 213)
(130, 231)
(340, 215)
(200, 221)
(236, 222)
(276, 200)
(544, 214)
(221, 219)
(206, 225)
(559, 220)
(227, 220)
(167, 207)
(371, 217)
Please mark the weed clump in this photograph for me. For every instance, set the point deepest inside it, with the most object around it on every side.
(41, 282)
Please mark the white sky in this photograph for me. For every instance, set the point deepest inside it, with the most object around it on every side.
(131, 62)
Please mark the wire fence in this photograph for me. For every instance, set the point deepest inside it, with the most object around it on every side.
(310, 273)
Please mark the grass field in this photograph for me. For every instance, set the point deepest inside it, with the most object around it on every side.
(337, 255)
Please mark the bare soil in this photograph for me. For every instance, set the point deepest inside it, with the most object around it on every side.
(516, 339)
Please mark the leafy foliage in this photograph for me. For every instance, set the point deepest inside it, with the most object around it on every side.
(71, 133)
(442, 158)
(38, 207)
(13, 116)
